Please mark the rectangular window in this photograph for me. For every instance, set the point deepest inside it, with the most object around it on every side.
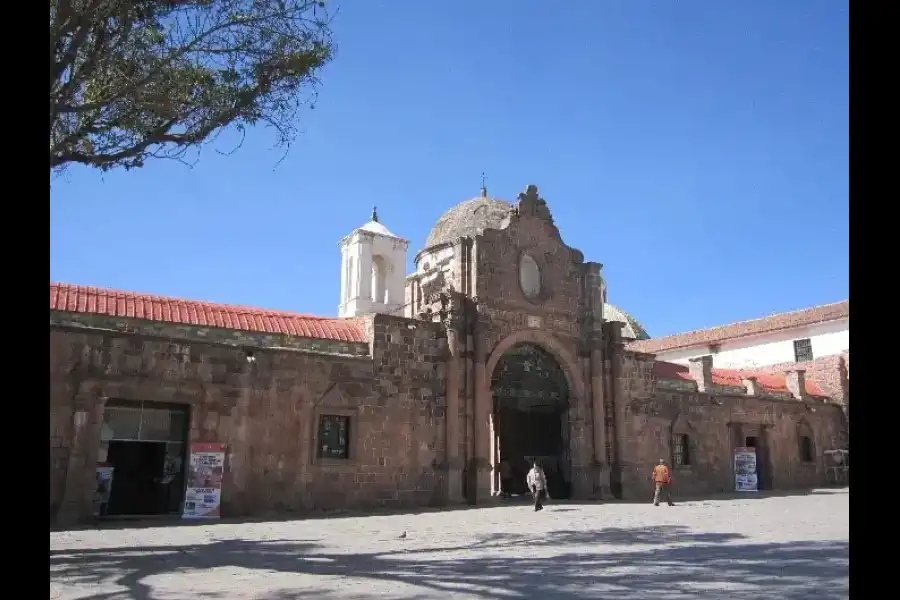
(334, 437)
(803, 350)
(806, 449)
(681, 450)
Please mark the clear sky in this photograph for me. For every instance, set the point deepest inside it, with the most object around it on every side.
(698, 149)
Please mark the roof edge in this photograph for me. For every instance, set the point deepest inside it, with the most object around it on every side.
(209, 303)
(659, 344)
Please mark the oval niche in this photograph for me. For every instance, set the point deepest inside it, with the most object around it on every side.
(529, 277)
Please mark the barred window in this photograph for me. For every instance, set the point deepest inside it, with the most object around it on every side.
(803, 350)
(334, 439)
(681, 450)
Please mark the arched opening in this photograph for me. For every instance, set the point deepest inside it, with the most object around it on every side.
(531, 403)
(351, 282)
(806, 446)
(379, 279)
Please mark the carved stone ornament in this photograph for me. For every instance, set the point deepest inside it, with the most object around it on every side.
(532, 205)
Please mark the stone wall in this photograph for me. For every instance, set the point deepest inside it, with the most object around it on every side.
(832, 373)
(266, 411)
(650, 413)
(498, 255)
(558, 319)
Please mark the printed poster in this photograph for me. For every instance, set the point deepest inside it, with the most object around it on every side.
(104, 478)
(204, 482)
(745, 478)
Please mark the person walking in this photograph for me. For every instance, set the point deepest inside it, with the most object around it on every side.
(662, 481)
(537, 483)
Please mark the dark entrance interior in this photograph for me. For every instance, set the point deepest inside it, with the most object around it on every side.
(531, 401)
(145, 445)
(138, 466)
(763, 470)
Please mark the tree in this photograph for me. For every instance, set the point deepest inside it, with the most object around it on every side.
(137, 79)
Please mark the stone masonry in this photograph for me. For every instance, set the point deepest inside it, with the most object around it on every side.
(417, 389)
(264, 411)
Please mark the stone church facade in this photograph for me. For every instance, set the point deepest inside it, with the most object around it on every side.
(499, 346)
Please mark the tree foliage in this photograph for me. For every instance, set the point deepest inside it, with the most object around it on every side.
(135, 79)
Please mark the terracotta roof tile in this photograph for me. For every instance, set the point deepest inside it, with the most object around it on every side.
(93, 300)
(714, 335)
(775, 382)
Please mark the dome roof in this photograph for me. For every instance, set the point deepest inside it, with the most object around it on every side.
(632, 330)
(468, 218)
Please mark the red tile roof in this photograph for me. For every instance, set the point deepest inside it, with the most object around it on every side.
(775, 382)
(92, 300)
(714, 335)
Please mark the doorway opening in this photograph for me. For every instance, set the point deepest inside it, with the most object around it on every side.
(531, 404)
(145, 445)
(763, 475)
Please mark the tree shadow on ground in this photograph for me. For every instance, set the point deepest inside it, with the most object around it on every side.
(176, 520)
(668, 561)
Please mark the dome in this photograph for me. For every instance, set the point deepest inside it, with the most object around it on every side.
(468, 218)
(632, 330)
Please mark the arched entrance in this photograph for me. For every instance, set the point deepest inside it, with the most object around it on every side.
(531, 402)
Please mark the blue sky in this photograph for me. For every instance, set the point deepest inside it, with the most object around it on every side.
(699, 150)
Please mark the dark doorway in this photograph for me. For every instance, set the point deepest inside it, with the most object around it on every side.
(145, 444)
(531, 402)
(138, 469)
(763, 475)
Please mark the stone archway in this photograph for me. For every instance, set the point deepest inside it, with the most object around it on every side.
(531, 400)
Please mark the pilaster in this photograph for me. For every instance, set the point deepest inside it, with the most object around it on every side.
(452, 460)
(482, 421)
(78, 500)
(598, 410)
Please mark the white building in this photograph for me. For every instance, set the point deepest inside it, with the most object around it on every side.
(373, 269)
(794, 337)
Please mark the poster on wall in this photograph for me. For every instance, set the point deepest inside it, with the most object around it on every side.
(104, 478)
(745, 479)
(204, 482)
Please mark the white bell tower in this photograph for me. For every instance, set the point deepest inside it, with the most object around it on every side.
(373, 269)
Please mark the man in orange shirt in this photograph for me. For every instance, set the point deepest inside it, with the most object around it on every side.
(662, 479)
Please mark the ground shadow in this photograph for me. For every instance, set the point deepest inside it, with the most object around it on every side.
(627, 563)
(145, 522)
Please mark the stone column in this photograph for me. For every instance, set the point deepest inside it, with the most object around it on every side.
(453, 464)
(495, 456)
(469, 396)
(598, 410)
(618, 395)
(78, 501)
(482, 425)
(611, 356)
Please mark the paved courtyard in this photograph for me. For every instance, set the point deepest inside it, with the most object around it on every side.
(776, 547)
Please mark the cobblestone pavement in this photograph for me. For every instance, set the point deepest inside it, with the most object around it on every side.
(768, 547)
